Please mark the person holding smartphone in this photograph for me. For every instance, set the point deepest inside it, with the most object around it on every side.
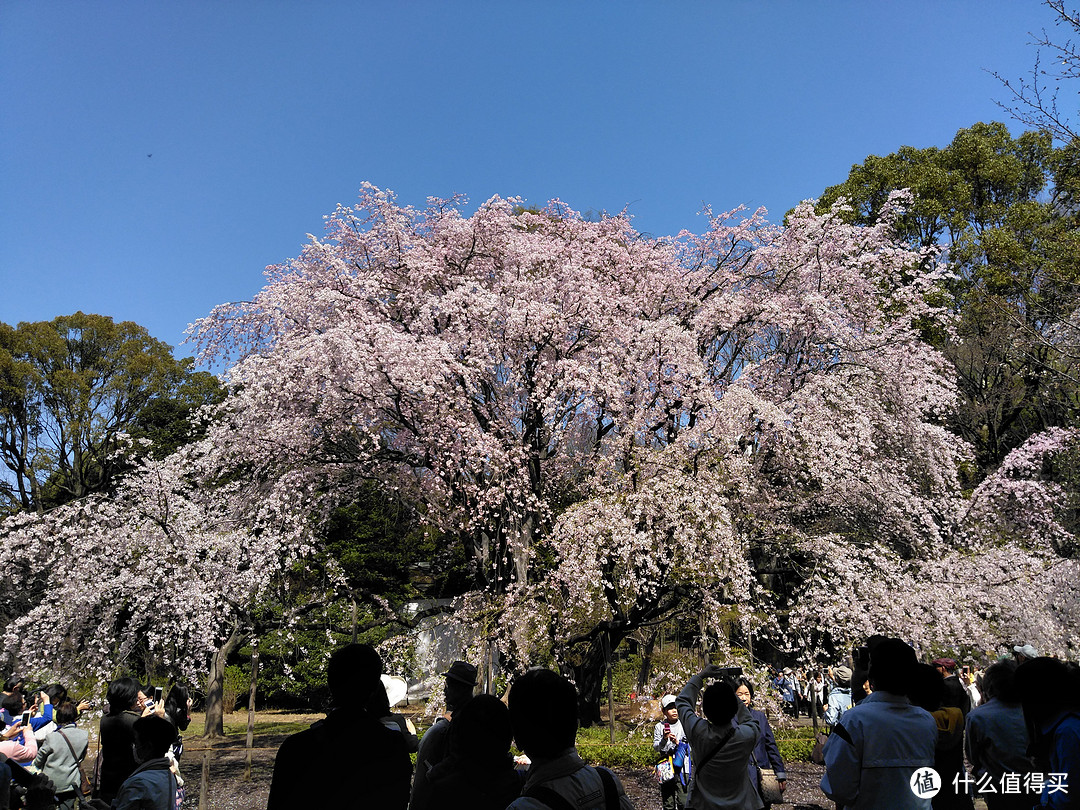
(17, 742)
(667, 735)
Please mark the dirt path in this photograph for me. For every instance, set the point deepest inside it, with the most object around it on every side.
(227, 788)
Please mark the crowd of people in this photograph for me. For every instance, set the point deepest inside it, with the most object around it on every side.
(43, 748)
(901, 734)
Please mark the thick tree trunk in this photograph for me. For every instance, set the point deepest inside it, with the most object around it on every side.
(646, 662)
(215, 685)
(589, 677)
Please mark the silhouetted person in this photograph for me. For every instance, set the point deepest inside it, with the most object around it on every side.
(955, 693)
(350, 759)
(1048, 691)
(152, 785)
(478, 773)
(117, 738)
(928, 691)
(543, 714)
(435, 744)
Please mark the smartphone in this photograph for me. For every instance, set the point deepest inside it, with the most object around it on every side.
(26, 719)
(157, 694)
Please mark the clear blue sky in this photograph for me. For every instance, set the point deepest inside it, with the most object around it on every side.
(261, 116)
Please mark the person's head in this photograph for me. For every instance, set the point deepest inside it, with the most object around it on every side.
(745, 691)
(668, 710)
(13, 704)
(892, 664)
(842, 677)
(1045, 687)
(945, 666)
(65, 712)
(481, 731)
(176, 706)
(719, 704)
(926, 687)
(56, 692)
(459, 686)
(123, 695)
(13, 684)
(153, 737)
(379, 703)
(353, 674)
(1024, 652)
(999, 681)
(543, 713)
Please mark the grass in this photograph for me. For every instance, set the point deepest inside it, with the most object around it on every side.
(266, 723)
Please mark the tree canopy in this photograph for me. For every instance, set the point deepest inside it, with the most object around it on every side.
(999, 207)
(72, 391)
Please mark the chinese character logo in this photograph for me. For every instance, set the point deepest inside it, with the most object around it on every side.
(925, 783)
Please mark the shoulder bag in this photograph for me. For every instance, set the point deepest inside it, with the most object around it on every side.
(84, 783)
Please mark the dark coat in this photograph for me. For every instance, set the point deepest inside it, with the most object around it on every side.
(117, 753)
(348, 760)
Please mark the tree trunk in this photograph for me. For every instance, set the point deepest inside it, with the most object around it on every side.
(215, 685)
(646, 662)
(250, 741)
(589, 677)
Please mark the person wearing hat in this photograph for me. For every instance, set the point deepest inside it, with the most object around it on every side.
(955, 693)
(666, 738)
(1024, 652)
(435, 744)
(839, 696)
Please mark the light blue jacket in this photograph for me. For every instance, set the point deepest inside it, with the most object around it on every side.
(873, 752)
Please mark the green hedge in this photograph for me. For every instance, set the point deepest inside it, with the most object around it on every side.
(631, 755)
(794, 749)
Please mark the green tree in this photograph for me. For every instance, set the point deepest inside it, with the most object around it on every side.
(70, 389)
(1001, 207)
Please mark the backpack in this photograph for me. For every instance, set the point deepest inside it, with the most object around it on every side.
(549, 797)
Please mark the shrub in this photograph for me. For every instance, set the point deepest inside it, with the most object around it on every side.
(635, 755)
(237, 684)
(796, 747)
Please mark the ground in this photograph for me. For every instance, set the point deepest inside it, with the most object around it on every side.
(228, 788)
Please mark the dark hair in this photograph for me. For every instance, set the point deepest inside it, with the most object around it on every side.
(176, 708)
(12, 683)
(13, 703)
(481, 731)
(379, 703)
(153, 736)
(353, 674)
(748, 684)
(892, 665)
(543, 713)
(926, 687)
(1045, 686)
(999, 681)
(57, 693)
(122, 694)
(719, 703)
(65, 712)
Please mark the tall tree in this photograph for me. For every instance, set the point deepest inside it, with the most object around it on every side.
(995, 204)
(71, 389)
(1034, 100)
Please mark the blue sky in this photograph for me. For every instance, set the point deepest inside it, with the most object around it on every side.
(156, 156)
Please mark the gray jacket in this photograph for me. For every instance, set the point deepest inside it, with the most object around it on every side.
(723, 782)
(572, 779)
(54, 758)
